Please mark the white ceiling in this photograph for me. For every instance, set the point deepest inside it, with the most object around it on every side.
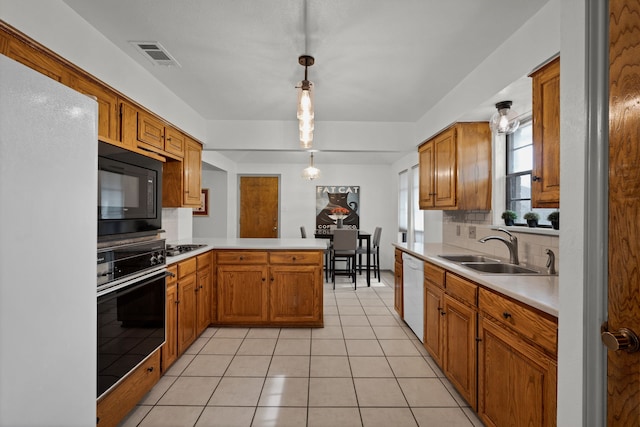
(376, 60)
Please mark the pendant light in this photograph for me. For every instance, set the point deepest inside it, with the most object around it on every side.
(505, 120)
(311, 172)
(305, 104)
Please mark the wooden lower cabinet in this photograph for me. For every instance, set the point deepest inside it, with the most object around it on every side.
(242, 294)
(170, 347)
(460, 347)
(187, 304)
(398, 302)
(516, 381)
(277, 288)
(295, 295)
(204, 277)
(114, 406)
(434, 279)
(433, 321)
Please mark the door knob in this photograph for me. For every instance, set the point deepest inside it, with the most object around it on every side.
(622, 339)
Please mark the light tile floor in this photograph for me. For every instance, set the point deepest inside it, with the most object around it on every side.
(364, 368)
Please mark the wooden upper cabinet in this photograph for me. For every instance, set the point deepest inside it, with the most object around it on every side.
(427, 191)
(545, 178)
(455, 168)
(150, 132)
(145, 131)
(474, 166)
(108, 110)
(174, 141)
(37, 60)
(181, 180)
(192, 173)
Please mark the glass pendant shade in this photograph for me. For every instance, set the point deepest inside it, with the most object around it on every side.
(305, 100)
(311, 172)
(505, 120)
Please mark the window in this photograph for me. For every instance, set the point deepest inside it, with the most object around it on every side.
(519, 166)
(410, 217)
(403, 204)
(417, 216)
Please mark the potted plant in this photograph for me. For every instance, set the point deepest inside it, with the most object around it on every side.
(532, 219)
(554, 217)
(509, 217)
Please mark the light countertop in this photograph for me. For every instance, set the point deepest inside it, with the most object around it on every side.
(540, 292)
(251, 244)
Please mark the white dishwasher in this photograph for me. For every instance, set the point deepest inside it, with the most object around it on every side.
(413, 293)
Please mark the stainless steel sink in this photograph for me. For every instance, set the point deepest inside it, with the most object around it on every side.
(468, 258)
(498, 268)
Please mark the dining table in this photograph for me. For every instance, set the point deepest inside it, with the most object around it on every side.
(363, 237)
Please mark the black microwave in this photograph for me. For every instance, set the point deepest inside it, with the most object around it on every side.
(129, 192)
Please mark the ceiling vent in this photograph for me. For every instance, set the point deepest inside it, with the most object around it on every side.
(156, 53)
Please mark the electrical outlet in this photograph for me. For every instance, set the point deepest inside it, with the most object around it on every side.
(472, 232)
(458, 230)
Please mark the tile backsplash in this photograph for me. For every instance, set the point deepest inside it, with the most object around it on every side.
(464, 228)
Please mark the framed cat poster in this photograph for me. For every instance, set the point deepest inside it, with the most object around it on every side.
(337, 206)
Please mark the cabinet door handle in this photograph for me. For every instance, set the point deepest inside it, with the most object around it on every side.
(264, 279)
(150, 369)
(506, 315)
(293, 258)
(241, 258)
(272, 278)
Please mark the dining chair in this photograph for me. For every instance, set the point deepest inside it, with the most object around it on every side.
(375, 253)
(345, 243)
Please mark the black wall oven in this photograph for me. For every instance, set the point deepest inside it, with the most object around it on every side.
(131, 308)
(129, 192)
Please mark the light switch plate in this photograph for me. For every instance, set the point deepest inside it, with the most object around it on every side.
(472, 232)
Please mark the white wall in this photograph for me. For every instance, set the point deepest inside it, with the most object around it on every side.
(573, 134)
(298, 198)
(214, 225)
(56, 26)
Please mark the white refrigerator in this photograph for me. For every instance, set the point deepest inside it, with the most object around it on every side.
(48, 194)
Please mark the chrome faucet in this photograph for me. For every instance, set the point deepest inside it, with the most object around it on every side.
(551, 262)
(512, 244)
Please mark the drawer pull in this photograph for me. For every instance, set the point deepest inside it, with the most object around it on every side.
(241, 258)
(150, 369)
(506, 315)
(293, 258)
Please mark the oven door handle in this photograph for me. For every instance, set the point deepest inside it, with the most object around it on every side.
(132, 285)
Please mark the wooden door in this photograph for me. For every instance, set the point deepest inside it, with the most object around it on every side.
(294, 294)
(623, 368)
(259, 207)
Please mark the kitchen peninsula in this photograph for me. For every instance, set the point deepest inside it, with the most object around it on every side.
(259, 282)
